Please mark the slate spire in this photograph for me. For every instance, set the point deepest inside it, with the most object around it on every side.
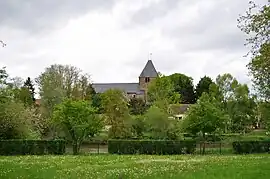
(149, 70)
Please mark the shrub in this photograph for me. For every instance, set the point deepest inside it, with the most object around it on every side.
(247, 147)
(151, 147)
(32, 147)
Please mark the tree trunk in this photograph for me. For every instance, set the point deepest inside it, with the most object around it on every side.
(76, 148)
(203, 143)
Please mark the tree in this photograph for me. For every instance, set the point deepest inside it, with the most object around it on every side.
(115, 108)
(3, 76)
(236, 101)
(17, 122)
(161, 93)
(78, 119)
(58, 82)
(255, 24)
(28, 84)
(241, 109)
(158, 125)
(137, 106)
(183, 85)
(205, 117)
(203, 86)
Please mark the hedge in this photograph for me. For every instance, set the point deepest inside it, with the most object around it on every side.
(32, 147)
(161, 147)
(247, 147)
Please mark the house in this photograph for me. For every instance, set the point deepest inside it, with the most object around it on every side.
(138, 89)
(178, 111)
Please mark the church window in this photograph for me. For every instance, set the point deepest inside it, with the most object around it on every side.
(147, 80)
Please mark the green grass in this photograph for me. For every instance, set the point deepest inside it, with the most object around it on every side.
(136, 166)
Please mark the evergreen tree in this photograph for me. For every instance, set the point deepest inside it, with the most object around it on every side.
(28, 84)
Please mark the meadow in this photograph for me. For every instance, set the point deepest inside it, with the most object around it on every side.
(136, 166)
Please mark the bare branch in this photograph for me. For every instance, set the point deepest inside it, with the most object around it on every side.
(3, 44)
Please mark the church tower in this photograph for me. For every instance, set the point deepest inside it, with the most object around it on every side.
(148, 74)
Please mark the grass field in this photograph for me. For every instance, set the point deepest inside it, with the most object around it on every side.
(136, 166)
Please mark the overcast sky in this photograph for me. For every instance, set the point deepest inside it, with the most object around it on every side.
(111, 40)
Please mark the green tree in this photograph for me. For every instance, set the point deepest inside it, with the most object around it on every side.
(161, 93)
(242, 109)
(137, 106)
(17, 122)
(115, 108)
(205, 117)
(203, 86)
(78, 119)
(236, 101)
(28, 84)
(183, 85)
(58, 82)
(158, 125)
(255, 24)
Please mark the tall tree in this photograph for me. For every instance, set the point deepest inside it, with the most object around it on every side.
(203, 86)
(115, 108)
(236, 101)
(255, 24)
(62, 81)
(205, 117)
(184, 86)
(28, 84)
(137, 106)
(78, 119)
(161, 93)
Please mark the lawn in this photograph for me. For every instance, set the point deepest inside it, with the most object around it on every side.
(135, 166)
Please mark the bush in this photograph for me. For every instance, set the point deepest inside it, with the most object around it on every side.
(32, 147)
(151, 147)
(248, 147)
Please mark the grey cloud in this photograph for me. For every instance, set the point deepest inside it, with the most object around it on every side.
(34, 16)
(153, 11)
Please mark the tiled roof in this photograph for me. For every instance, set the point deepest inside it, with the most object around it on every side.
(127, 87)
(179, 108)
(149, 70)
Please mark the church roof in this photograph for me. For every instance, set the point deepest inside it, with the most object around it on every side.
(149, 70)
(127, 87)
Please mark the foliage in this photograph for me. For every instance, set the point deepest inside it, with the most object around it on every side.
(115, 108)
(255, 24)
(96, 102)
(236, 101)
(248, 147)
(158, 124)
(58, 82)
(205, 117)
(203, 86)
(259, 69)
(3, 75)
(32, 147)
(164, 147)
(17, 122)
(241, 109)
(264, 114)
(78, 120)
(137, 106)
(183, 85)
(161, 93)
(28, 84)
(138, 126)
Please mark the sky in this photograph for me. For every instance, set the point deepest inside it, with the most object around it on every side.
(111, 39)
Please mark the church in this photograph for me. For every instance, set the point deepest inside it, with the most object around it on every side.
(132, 89)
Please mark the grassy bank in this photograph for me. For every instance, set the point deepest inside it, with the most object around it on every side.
(136, 166)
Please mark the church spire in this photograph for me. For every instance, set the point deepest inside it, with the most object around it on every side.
(149, 69)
